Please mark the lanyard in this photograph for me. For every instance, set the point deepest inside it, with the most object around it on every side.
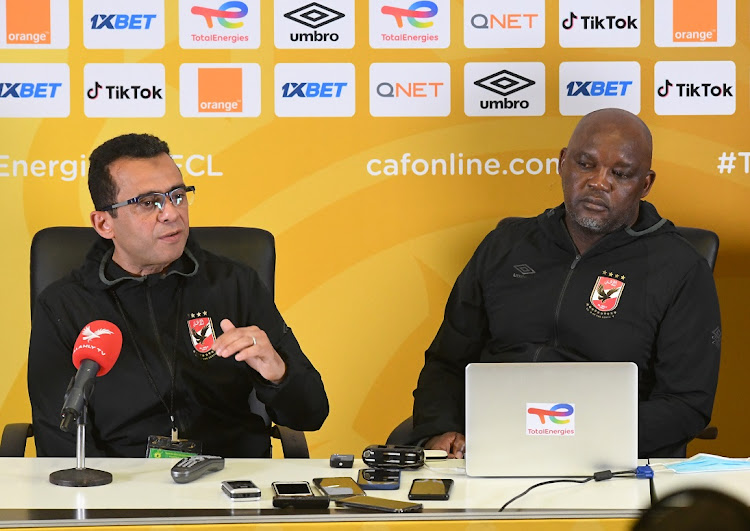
(171, 367)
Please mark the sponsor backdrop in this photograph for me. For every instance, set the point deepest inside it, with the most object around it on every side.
(379, 141)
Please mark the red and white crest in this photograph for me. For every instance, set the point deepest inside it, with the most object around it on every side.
(606, 293)
(202, 334)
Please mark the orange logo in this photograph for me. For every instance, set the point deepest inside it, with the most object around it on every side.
(219, 90)
(27, 22)
(694, 20)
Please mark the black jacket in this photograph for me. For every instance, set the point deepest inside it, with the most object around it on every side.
(527, 296)
(134, 400)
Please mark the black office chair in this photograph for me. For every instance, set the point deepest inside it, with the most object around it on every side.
(55, 251)
(706, 242)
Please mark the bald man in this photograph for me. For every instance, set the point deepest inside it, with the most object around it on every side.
(569, 302)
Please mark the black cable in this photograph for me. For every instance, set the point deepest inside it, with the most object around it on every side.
(598, 476)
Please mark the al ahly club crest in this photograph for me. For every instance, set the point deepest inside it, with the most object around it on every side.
(202, 334)
(607, 292)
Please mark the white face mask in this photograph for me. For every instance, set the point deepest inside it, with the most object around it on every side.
(708, 463)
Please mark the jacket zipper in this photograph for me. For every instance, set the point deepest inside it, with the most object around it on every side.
(559, 303)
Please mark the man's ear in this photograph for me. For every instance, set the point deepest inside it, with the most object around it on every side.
(563, 153)
(648, 183)
(102, 223)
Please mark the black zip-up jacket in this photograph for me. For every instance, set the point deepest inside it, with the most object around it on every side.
(135, 399)
(526, 295)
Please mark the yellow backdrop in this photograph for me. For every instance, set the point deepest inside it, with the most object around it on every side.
(365, 262)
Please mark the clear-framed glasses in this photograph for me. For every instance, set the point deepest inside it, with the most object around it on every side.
(180, 197)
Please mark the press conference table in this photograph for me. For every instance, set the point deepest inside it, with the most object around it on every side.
(143, 494)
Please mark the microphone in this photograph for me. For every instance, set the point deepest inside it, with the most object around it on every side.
(95, 352)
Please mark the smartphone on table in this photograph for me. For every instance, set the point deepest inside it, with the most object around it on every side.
(297, 495)
(379, 479)
(241, 490)
(379, 504)
(430, 489)
(338, 487)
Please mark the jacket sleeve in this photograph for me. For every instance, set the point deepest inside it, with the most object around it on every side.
(299, 401)
(50, 368)
(686, 368)
(439, 397)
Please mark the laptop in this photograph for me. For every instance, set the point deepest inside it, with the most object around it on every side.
(551, 419)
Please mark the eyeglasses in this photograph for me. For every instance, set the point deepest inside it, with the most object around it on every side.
(181, 197)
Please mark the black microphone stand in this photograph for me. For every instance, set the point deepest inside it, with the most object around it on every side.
(80, 476)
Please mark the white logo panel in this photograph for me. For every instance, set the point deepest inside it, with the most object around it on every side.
(589, 86)
(128, 90)
(597, 24)
(219, 24)
(504, 89)
(35, 32)
(314, 89)
(210, 90)
(34, 90)
(508, 24)
(687, 88)
(410, 23)
(689, 23)
(123, 24)
(410, 89)
(301, 24)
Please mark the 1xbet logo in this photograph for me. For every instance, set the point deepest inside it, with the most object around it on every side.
(312, 90)
(122, 22)
(226, 12)
(417, 12)
(29, 90)
(598, 88)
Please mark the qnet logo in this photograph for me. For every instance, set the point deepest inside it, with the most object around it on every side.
(219, 24)
(213, 90)
(410, 89)
(708, 23)
(508, 24)
(504, 89)
(129, 90)
(34, 24)
(310, 25)
(588, 86)
(34, 90)
(123, 24)
(687, 88)
(409, 24)
(314, 89)
(597, 24)
(550, 419)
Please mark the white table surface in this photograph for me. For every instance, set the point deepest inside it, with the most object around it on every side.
(735, 483)
(146, 484)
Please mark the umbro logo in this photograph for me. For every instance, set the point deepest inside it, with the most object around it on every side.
(524, 271)
(314, 15)
(504, 82)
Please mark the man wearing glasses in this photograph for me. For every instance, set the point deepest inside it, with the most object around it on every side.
(149, 278)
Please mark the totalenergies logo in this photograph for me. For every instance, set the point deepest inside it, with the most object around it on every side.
(418, 10)
(556, 414)
(238, 10)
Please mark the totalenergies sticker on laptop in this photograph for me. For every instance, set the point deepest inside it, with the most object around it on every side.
(550, 419)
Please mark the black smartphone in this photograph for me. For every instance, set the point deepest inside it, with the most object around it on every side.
(338, 487)
(379, 479)
(430, 489)
(379, 504)
(291, 488)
